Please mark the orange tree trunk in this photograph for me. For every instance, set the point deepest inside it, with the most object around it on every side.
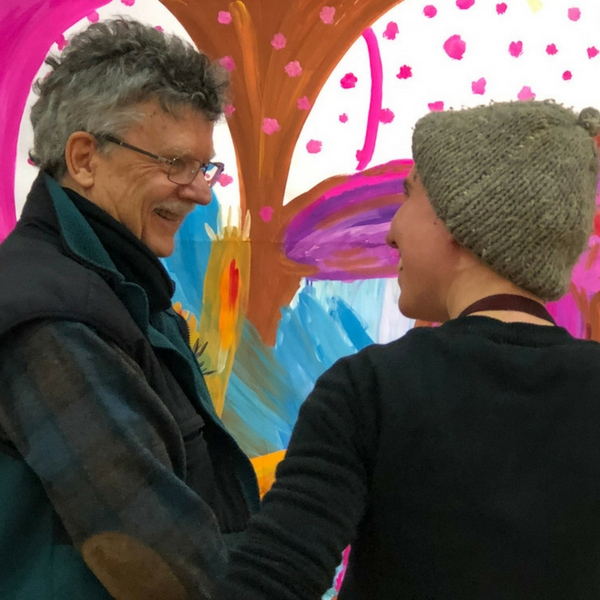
(263, 90)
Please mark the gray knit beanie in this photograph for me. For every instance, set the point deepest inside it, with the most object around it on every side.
(515, 183)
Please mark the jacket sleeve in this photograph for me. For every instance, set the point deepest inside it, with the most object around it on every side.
(293, 546)
(81, 414)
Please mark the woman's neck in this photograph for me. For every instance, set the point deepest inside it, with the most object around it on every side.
(469, 287)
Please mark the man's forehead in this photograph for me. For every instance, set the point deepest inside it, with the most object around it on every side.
(180, 133)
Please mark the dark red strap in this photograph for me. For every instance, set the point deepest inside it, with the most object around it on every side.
(509, 302)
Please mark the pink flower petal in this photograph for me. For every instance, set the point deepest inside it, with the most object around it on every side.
(227, 62)
(478, 87)
(225, 180)
(551, 49)
(266, 213)
(224, 17)
(436, 106)
(304, 103)
(159, 28)
(464, 4)
(348, 81)
(293, 69)
(430, 11)
(229, 110)
(574, 14)
(405, 72)
(128, 2)
(567, 75)
(455, 47)
(501, 8)
(516, 49)
(314, 146)
(592, 51)
(343, 118)
(391, 31)
(327, 14)
(270, 126)
(526, 93)
(386, 116)
(93, 17)
(62, 43)
(278, 42)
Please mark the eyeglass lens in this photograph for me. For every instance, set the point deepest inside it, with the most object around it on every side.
(184, 171)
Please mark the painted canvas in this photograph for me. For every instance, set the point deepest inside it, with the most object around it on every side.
(287, 269)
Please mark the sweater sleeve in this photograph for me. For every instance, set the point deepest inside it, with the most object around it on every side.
(293, 546)
(82, 415)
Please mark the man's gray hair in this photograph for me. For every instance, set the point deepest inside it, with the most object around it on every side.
(105, 72)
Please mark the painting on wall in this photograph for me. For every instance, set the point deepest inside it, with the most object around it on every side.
(287, 269)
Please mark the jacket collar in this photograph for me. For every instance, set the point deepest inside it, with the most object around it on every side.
(80, 242)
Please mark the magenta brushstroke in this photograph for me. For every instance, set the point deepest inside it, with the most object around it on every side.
(308, 219)
(308, 241)
(366, 154)
(28, 28)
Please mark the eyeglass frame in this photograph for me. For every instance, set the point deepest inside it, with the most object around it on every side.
(219, 166)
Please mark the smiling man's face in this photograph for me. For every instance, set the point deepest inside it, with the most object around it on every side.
(134, 188)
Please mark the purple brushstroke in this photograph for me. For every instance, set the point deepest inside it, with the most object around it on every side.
(365, 155)
(28, 28)
(307, 241)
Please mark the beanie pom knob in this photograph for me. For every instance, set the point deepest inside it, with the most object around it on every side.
(589, 118)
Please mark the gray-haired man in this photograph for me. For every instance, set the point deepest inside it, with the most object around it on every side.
(118, 478)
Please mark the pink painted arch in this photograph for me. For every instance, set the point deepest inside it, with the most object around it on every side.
(28, 28)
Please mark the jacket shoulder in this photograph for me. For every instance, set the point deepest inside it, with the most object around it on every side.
(38, 281)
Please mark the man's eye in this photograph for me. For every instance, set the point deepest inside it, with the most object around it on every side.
(186, 165)
(178, 166)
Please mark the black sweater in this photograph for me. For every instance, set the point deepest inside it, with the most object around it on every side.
(461, 462)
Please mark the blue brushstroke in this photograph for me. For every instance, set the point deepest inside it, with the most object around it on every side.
(350, 322)
(364, 296)
(261, 402)
(268, 385)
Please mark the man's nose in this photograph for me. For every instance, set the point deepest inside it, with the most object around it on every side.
(198, 191)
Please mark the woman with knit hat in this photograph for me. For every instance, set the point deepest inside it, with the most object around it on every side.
(461, 462)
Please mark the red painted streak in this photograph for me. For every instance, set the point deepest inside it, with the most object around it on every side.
(234, 283)
(366, 154)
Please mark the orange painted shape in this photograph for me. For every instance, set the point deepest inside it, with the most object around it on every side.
(265, 466)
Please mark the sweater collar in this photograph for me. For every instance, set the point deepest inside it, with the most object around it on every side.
(514, 333)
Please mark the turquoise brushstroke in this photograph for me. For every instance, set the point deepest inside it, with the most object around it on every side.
(351, 323)
(259, 396)
(268, 385)
(364, 296)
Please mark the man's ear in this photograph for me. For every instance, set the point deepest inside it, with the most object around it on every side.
(81, 152)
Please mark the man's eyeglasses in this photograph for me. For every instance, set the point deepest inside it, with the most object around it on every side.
(182, 169)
